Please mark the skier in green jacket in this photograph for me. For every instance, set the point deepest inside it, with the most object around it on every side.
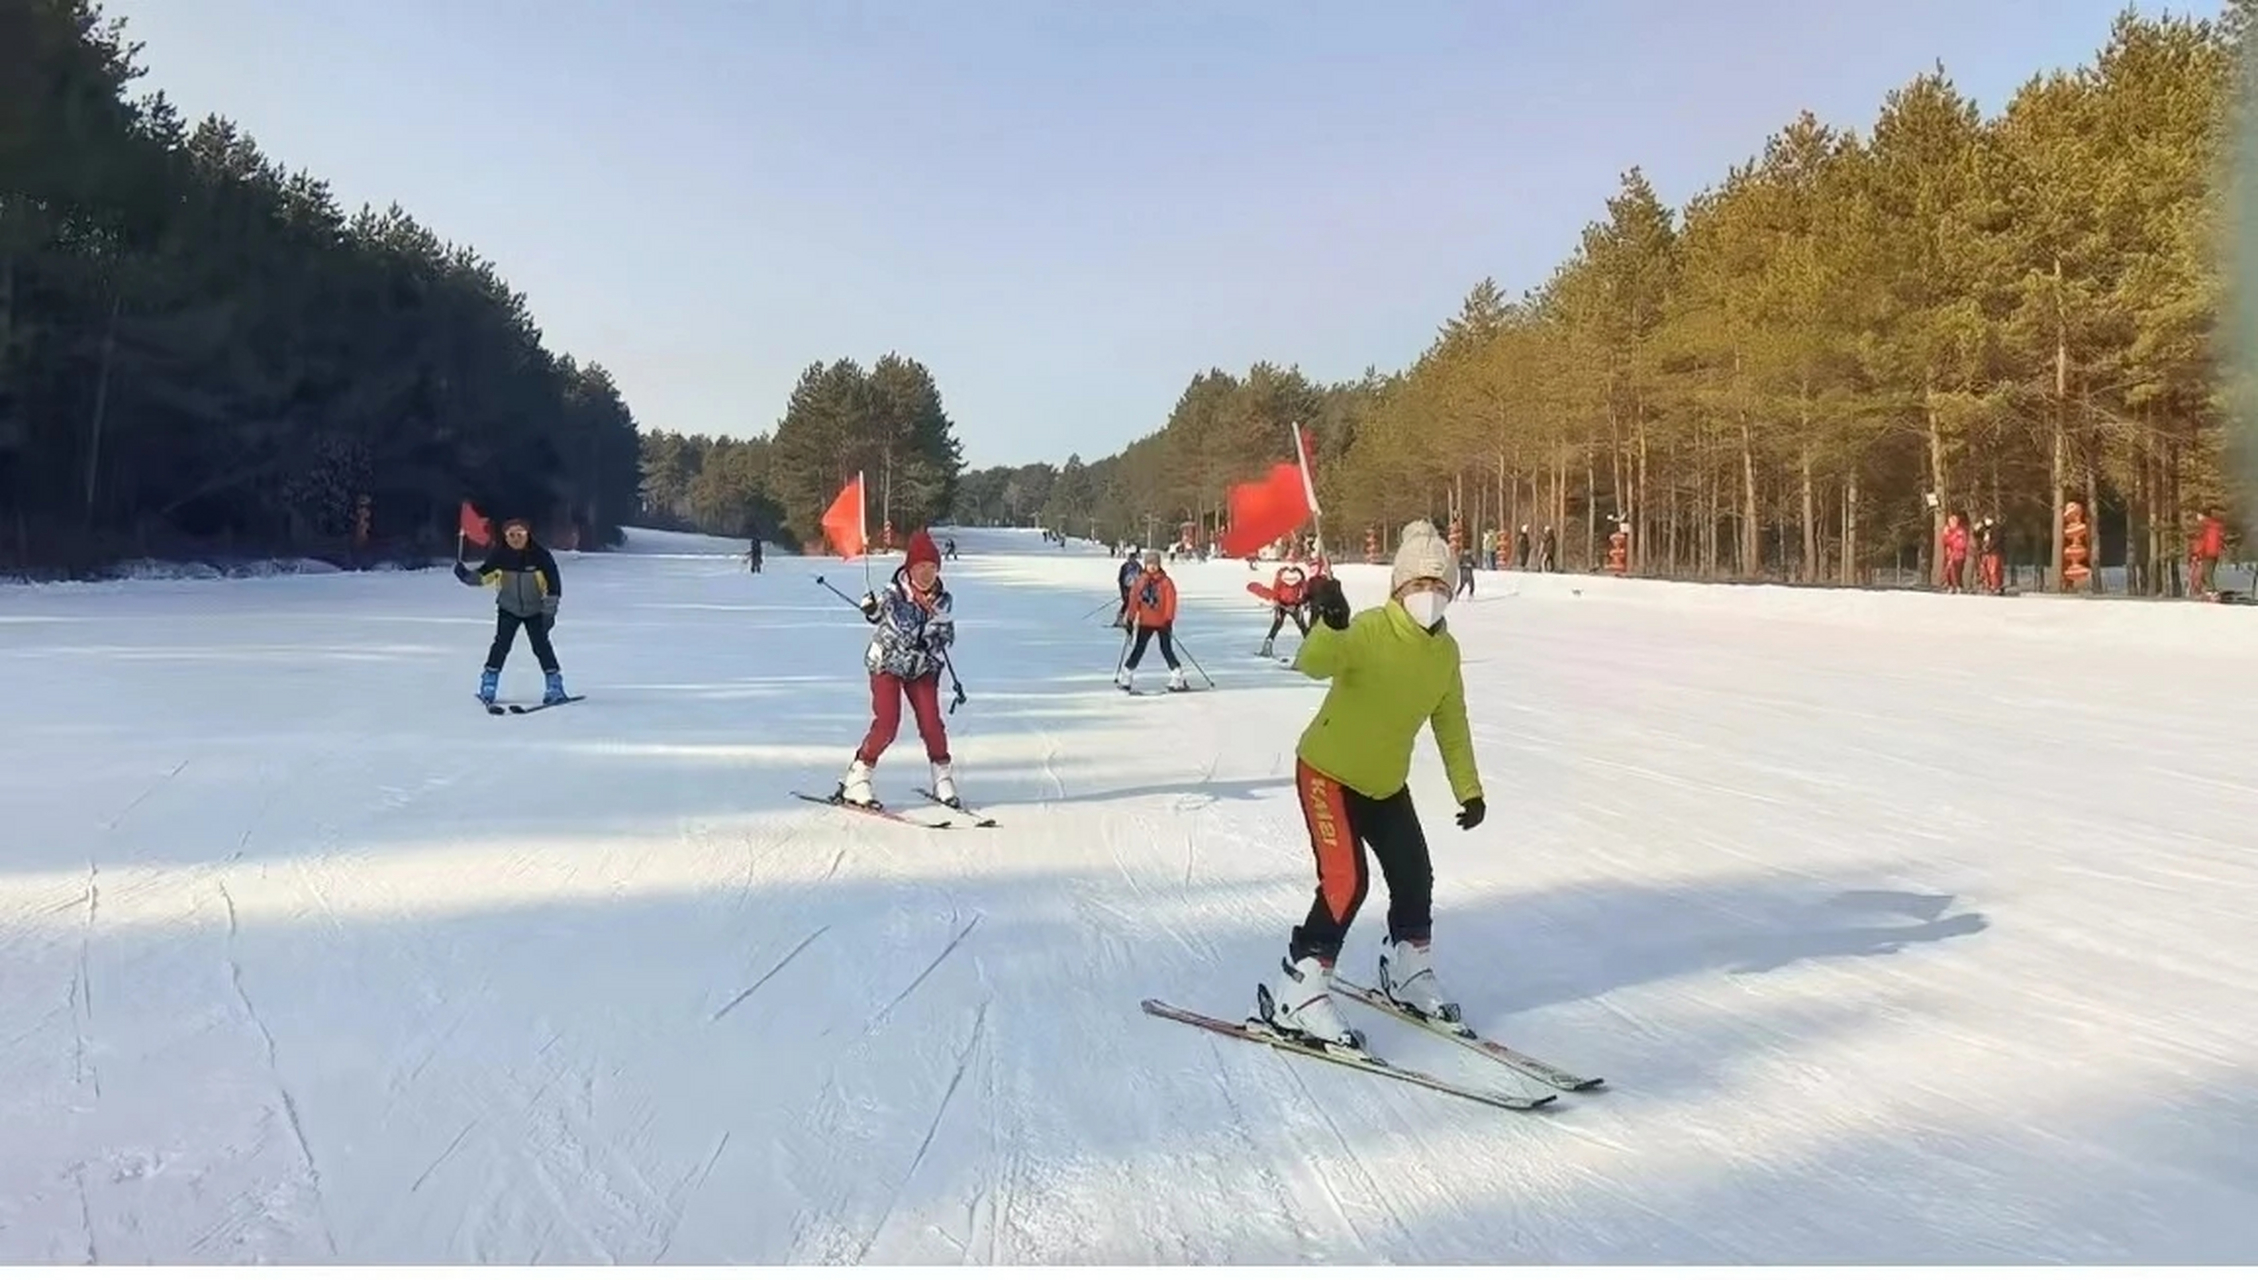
(1393, 669)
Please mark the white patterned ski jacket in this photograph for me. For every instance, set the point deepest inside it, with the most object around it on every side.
(913, 637)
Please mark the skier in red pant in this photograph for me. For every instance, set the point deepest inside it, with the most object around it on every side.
(905, 659)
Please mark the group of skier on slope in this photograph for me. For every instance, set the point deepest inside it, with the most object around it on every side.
(1391, 670)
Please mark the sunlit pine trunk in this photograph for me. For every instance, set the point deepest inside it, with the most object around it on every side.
(2059, 486)
(1850, 576)
(1810, 569)
(1936, 484)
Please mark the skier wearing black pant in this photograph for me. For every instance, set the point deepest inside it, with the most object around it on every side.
(1152, 607)
(527, 588)
(1126, 578)
(1288, 599)
(1394, 670)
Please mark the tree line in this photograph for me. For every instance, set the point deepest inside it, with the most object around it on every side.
(1801, 373)
(886, 423)
(200, 352)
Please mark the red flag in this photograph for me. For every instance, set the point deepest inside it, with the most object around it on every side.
(1268, 509)
(843, 521)
(1265, 510)
(473, 526)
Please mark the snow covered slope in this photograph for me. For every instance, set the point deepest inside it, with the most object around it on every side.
(667, 542)
(1904, 929)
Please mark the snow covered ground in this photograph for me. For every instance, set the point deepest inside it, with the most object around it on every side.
(1905, 928)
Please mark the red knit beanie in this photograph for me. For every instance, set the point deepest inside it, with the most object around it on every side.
(922, 550)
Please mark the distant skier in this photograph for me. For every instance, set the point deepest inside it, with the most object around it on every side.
(527, 589)
(1132, 568)
(1288, 599)
(1393, 669)
(753, 555)
(1955, 553)
(1153, 611)
(1991, 555)
(2204, 552)
(1465, 574)
(916, 625)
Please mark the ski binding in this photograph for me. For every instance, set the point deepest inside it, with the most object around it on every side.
(1546, 1073)
(835, 802)
(1255, 1032)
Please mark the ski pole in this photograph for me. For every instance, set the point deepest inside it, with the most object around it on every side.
(1184, 649)
(956, 685)
(851, 601)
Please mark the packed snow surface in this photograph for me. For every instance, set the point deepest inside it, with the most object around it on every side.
(1904, 928)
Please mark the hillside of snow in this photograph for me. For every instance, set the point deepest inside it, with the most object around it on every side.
(1905, 929)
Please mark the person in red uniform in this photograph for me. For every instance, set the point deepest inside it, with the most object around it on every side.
(1991, 555)
(2204, 553)
(1289, 598)
(1955, 554)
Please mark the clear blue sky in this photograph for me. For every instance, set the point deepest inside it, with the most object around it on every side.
(1064, 208)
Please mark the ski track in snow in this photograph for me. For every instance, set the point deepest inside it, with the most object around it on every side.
(1906, 929)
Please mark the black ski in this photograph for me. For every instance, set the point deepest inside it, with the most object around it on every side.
(833, 802)
(1545, 1073)
(979, 819)
(1347, 1058)
(526, 709)
(517, 709)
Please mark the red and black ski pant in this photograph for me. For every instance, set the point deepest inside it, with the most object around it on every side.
(1342, 824)
(887, 692)
(1299, 612)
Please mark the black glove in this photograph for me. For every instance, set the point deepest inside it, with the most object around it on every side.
(869, 606)
(1330, 603)
(1470, 814)
(465, 574)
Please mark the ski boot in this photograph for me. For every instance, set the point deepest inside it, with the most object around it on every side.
(1265, 651)
(489, 685)
(552, 689)
(1125, 680)
(1304, 1009)
(855, 788)
(1411, 983)
(945, 784)
(1176, 681)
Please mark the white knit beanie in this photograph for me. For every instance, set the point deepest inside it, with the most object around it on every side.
(1422, 553)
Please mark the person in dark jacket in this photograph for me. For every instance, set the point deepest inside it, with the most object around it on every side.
(527, 588)
(1126, 578)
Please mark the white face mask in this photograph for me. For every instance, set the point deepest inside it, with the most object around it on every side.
(1426, 607)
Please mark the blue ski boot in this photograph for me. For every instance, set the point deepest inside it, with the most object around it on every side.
(489, 684)
(553, 692)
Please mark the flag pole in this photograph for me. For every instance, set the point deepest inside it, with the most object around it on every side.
(862, 528)
(1309, 489)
